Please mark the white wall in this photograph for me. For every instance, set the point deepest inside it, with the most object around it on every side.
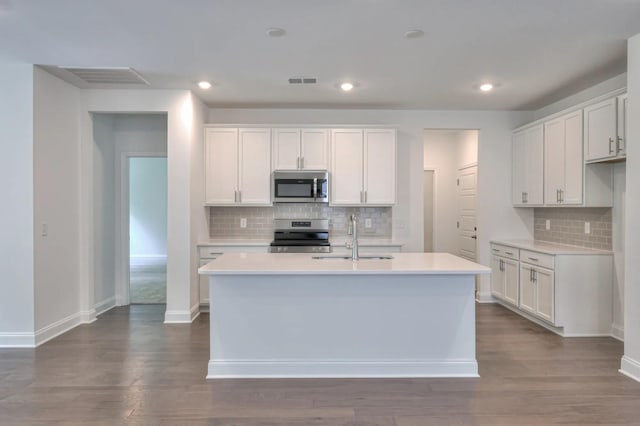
(57, 202)
(104, 213)
(181, 139)
(631, 361)
(496, 217)
(16, 215)
(148, 207)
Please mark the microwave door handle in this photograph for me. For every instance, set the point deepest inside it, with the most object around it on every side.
(315, 189)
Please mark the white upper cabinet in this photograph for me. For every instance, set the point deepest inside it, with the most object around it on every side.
(363, 167)
(300, 149)
(237, 166)
(604, 130)
(563, 164)
(527, 173)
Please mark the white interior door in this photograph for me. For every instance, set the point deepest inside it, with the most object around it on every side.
(428, 210)
(467, 227)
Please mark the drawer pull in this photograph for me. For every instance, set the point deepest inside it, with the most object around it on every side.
(509, 253)
(496, 250)
(535, 259)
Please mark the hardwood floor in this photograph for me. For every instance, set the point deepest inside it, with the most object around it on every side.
(129, 368)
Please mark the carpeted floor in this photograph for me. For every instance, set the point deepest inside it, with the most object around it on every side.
(148, 283)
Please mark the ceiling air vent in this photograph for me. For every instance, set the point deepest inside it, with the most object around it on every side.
(107, 75)
(303, 80)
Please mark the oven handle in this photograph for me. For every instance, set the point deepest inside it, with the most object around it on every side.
(315, 189)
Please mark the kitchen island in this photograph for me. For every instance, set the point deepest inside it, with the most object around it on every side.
(292, 315)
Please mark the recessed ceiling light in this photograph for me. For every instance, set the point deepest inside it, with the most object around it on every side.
(346, 86)
(486, 87)
(411, 34)
(275, 32)
(204, 85)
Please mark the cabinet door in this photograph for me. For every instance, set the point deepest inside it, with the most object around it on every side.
(379, 166)
(527, 290)
(221, 166)
(553, 160)
(204, 284)
(511, 281)
(621, 141)
(573, 160)
(314, 149)
(255, 166)
(527, 167)
(286, 149)
(497, 277)
(347, 167)
(600, 130)
(544, 283)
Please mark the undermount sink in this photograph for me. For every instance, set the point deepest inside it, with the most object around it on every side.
(370, 257)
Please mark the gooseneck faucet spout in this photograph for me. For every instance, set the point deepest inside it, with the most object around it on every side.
(354, 235)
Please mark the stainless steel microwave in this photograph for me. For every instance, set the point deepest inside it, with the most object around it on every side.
(300, 186)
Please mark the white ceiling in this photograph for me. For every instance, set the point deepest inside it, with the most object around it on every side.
(535, 51)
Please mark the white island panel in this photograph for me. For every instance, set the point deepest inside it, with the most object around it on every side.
(341, 321)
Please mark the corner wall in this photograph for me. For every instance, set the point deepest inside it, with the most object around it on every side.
(16, 215)
(56, 190)
(630, 364)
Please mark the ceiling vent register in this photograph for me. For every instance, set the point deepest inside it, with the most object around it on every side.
(303, 80)
(116, 75)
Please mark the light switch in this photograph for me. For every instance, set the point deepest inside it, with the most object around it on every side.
(367, 222)
(547, 224)
(587, 227)
(243, 222)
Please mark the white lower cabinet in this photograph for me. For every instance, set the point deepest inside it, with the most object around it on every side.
(537, 291)
(569, 292)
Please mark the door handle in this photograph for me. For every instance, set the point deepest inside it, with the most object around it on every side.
(610, 145)
(475, 237)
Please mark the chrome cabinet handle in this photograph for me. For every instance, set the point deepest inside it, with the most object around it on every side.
(618, 144)
(509, 253)
(562, 195)
(361, 197)
(315, 189)
(523, 197)
(610, 145)
(235, 196)
(365, 197)
(302, 162)
(535, 276)
(526, 197)
(496, 250)
(535, 259)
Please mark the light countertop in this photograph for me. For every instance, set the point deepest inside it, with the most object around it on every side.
(304, 264)
(551, 248)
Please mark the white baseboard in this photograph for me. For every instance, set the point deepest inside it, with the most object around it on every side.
(148, 259)
(195, 311)
(87, 317)
(630, 368)
(177, 317)
(485, 298)
(17, 340)
(57, 328)
(104, 305)
(221, 369)
(617, 332)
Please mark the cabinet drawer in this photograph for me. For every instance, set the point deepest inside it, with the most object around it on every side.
(538, 259)
(209, 252)
(505, 251)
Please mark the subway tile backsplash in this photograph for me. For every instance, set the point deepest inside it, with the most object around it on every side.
(567, 226)
(224, 222)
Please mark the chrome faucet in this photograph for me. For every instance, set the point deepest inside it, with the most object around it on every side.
(353, 231)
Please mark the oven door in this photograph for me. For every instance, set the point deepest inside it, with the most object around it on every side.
(300, 187)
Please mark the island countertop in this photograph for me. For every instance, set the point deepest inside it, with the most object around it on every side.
(305, 264)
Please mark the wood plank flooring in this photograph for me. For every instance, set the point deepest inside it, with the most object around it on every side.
(128, 368)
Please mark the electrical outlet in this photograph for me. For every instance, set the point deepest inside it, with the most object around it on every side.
(547, 224)
(367, 222)
(587, 227)
(243, 222)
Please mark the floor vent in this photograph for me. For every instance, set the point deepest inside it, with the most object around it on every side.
(107, 75)
(303, 80)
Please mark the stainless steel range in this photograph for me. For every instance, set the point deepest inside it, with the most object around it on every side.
(301, 236)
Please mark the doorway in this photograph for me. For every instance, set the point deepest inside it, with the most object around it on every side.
(452, 155)
(147, 229)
